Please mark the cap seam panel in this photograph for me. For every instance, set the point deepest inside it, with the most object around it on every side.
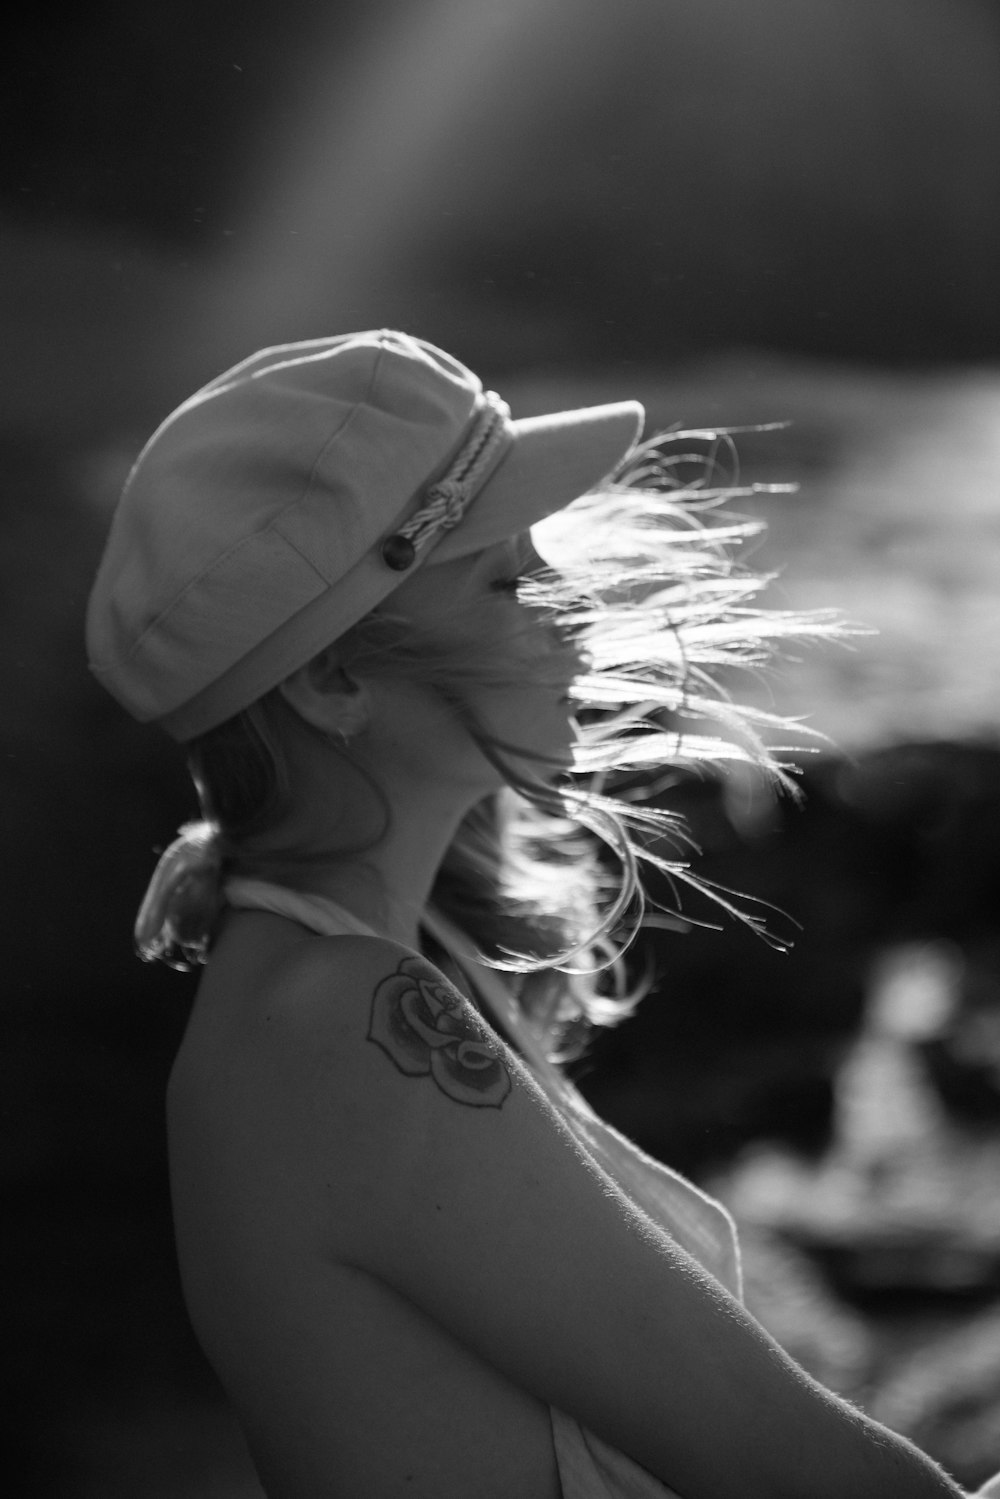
(207, 572)
(274, 526)
(366, 402)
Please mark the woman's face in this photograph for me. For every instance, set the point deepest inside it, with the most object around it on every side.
(472, 603)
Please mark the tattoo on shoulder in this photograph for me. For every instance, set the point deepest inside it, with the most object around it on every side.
(426, 1028)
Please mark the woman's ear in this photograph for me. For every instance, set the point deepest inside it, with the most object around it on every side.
(322, 693)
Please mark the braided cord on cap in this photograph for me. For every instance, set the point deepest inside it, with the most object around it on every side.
(448, 498)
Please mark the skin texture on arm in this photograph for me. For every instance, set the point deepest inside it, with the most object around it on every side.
(710, 1238)
(377, 1084)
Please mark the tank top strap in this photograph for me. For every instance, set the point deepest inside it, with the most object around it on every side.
(318, 913)
(592, 1469)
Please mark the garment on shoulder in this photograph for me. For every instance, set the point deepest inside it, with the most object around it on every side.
(592, 1469)
(589, 1468)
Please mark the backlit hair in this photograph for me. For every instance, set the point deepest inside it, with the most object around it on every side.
(644, 579)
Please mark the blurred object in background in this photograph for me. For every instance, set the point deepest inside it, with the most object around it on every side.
(905, 1200)
(546, 183)
(962, 1057)
(903, 1214)
(940, 1386)
(562, 180)
(895, 850)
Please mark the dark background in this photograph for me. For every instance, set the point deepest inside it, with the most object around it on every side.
(783, 211)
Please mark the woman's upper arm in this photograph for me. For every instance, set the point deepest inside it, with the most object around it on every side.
(481, 1208)
(699, 1223)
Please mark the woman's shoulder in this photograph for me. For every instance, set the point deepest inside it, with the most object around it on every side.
(336, 997)
(278, 1092)
(321, 980)
(305, 1026)
(276, 979)
(279, 1012)
(352, 1003)
(290, 1009)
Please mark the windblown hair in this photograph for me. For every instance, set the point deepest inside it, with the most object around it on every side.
(643, 579)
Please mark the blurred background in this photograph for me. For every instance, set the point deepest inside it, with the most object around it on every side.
(740, 211)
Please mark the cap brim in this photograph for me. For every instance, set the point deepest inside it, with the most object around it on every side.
(551, 462)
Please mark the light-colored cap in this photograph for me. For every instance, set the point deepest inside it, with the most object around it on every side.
(291, 495)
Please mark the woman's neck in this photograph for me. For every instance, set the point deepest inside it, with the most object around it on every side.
(387, 885)
(369, 827)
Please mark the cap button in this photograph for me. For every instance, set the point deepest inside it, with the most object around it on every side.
(398, 552)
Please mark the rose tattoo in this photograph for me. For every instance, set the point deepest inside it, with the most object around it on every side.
(423, 1026)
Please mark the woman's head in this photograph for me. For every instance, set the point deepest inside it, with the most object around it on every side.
(327, 546)
(429, 696)
(459, 651)
(294, 494)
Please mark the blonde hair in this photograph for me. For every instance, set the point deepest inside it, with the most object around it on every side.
(643, 578)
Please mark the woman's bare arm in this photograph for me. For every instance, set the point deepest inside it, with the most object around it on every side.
(478, 1205)
(709, 1234)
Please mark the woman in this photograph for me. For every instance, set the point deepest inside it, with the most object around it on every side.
(417, 1261)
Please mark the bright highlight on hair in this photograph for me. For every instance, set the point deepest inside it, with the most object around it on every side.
(642, 579)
